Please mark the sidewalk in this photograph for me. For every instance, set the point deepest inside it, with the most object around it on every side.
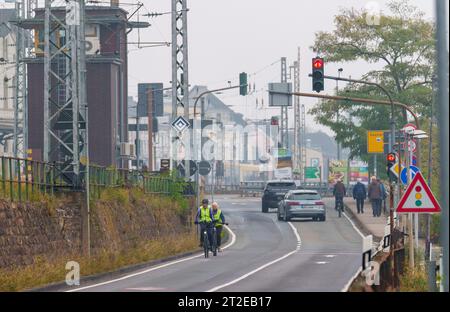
(368, 224)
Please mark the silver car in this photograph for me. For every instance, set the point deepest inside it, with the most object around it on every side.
(302, 204)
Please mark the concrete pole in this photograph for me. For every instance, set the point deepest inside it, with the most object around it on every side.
(443, 100)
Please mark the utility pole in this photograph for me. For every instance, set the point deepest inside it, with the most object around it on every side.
(297, 119)
(337, 113)
(180, 78)
(284, 109)
(150, 128)
(64, 117)
(20, 85)
(430, 167)
(443, 100)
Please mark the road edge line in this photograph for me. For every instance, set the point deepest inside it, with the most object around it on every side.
(242, 277)
(233, 240)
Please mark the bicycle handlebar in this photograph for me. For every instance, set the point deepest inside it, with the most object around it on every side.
(214, 221)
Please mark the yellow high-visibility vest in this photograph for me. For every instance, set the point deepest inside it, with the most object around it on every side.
(217, 217)
(205, 214)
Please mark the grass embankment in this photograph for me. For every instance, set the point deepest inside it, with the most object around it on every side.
(116, 242)
(414, 280)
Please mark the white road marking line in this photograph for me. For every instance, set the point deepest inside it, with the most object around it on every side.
(349, 283)
(146, 288)
(263, 266)
(330, 256)
(233, 240)
(354, 226)
(322, 262)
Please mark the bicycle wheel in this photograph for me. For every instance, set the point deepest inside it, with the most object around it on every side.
(214, 242)
(206, 244)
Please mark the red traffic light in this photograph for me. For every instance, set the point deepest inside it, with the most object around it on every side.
(391, 157)
(318, 63)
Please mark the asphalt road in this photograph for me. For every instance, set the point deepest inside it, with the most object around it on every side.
(263, 254)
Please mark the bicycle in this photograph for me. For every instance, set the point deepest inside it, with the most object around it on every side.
(340, 205)
(207, 246)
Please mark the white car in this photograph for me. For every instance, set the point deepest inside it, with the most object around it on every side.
(302, 204)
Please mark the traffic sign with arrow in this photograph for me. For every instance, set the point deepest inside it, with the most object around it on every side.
(413, 170)
(418, 198)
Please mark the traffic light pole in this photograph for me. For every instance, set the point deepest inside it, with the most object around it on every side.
(370, 102)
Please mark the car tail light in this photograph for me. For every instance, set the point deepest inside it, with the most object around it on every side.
(320, 203)
(293, 204)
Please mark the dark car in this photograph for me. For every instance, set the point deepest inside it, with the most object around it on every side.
(274, 192)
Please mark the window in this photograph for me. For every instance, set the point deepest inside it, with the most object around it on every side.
(282, 185)
(305, 196)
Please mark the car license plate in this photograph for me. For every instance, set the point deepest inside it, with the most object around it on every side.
(309, 207)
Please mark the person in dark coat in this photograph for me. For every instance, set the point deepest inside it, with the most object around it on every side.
(339, 192)
(360, 195)
(375, 196)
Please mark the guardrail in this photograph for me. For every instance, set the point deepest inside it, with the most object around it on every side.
(252, 188)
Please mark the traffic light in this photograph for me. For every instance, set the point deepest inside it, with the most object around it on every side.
(243, 84)
(274, 121)
(391, 160)
(318, 74)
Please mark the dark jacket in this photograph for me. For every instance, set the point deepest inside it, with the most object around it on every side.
(339, 189)
(383, 191)
(374, 191)
(359, 191)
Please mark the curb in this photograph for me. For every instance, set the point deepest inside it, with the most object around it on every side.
(362, 227)
(62, 286)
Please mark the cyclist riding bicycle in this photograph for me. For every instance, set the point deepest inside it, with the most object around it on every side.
(219, 218)
(339, 193)
(204, 217)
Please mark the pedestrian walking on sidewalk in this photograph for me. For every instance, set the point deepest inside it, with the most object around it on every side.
(360, 195)
(375, 197)
(383, 196)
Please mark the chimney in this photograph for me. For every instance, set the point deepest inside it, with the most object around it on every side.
(114, 3)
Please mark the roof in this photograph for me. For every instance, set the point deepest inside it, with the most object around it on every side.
(5, 16)
(278, 181)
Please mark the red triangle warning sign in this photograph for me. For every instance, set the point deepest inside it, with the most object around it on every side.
(418, 198)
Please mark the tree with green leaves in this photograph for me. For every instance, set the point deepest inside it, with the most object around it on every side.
(401, 47)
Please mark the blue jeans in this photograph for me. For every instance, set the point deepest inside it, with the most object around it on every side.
(376, 207)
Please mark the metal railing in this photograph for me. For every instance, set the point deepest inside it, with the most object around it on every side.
(24, 179)
(151, 182)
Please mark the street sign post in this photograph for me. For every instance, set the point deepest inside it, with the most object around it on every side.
(165, 165)
(375, 142)
(180, 124)
(204, 168)
(418, 198)
(192, 168)
(312, 173)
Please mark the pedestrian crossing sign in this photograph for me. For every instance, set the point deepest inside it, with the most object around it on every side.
(418, 198)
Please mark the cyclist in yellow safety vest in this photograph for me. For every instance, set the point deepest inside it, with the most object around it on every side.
(204, 217)
(219, 218)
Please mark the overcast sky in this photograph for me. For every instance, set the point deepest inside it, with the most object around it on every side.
(228, 37)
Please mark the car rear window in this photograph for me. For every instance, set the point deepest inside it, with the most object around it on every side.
(307, 196)
(282, 185)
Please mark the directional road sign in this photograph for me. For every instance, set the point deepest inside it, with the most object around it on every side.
(413, 170)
